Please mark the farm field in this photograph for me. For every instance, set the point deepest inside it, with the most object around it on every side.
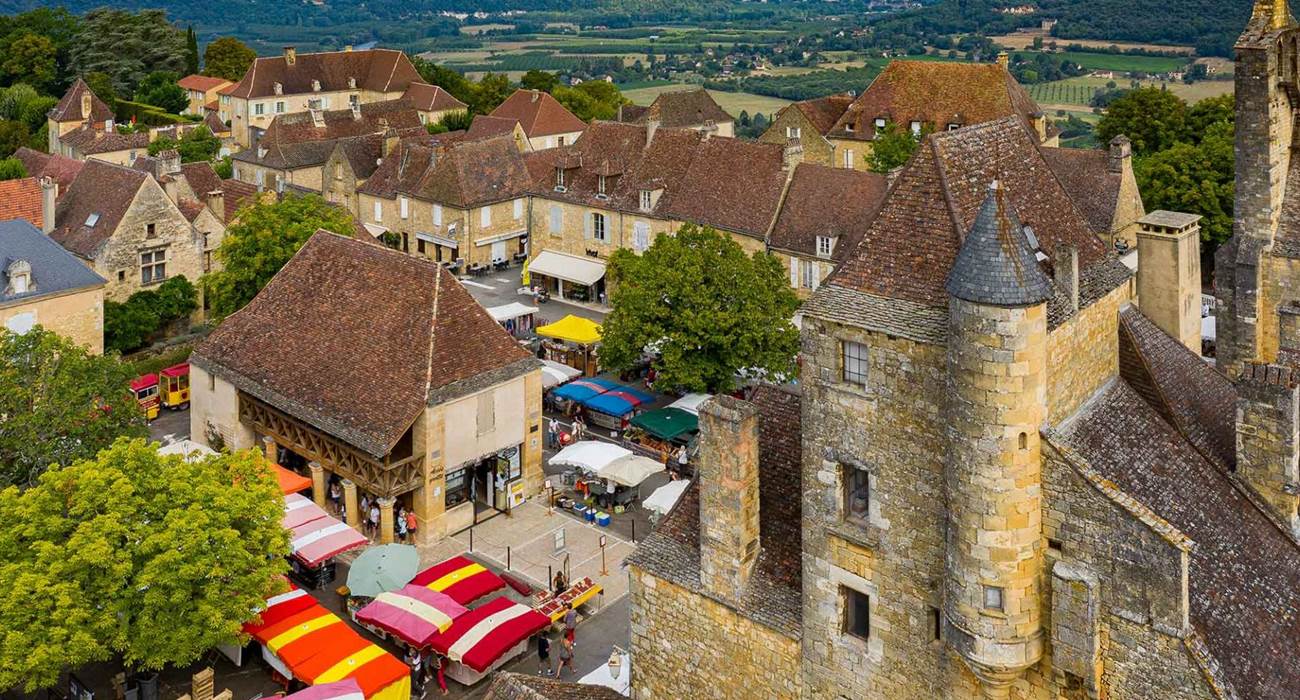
(1023, 40)
(733, 102)
(1117, 62)
(1079, 91)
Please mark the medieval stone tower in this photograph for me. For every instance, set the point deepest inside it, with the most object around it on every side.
(997, 373)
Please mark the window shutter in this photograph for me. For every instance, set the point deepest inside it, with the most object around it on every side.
(816, 276)
(794, 272)
(405, 207)
(379, 211)
(437, 215)
(557, 218)
(485, 217)
(519, 208)
(586, 227)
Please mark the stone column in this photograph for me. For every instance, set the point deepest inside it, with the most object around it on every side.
(386, 520)
(271, 450)
(318, 484)
(350, 503)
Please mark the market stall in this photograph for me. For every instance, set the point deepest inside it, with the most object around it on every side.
(413, 614)
(613, 408)
(316, 541)
(347, 689)
(461, 579)
(577, 594)
(514, 317)
(572, 341)
(555, 374)
(666, 425)
(487, 637)
(583, 389)
(630, 470)
(290, 481)
(589, 455)
(666, 496)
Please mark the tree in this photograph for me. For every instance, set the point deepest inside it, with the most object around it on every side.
(707, 309)
(1208, 112)
(1194, 178)
(102, 85)
(491, 91)
(13, 135)
(594, 99)
(454, 83)
(263, 240)
(539, 80)
(60, 404)
(153, 558)
(191, 51)
(130, 325)
(12, 169)
(227, 58)
(160, 89)
(892, 148)
(31, 59)
(197, 145)
(1151, 118)
(127, 46)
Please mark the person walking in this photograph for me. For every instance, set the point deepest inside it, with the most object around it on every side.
(543, 653)
(374, 517)
(336, 496)
(570, 624)
(401, 525)
(416, 663)
(682, 459)
(411, 524)
(439, 665)
(363, 513)
(566, 658)
(552, 433)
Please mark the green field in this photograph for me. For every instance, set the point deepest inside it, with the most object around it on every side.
(733, 102)
(1117, 62)
(1079, 91)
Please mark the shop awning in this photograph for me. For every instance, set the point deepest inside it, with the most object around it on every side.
(340, 690)
(299, 511)
(514, 309)
(415, 614)
(666, 496)
(584, 389)
(667, 423)
(570, 268)
(489, 240)
(481, 636)
(375, 229)
(315, 541)
(556, 373)
(630, 470)
(574, 329)
(445, 241)
(290, 482)
(589, 454)
(462, 580)
(691, 403)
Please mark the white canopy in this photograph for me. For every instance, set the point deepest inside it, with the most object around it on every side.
(188, 449)
(604, 676)
(514, 309)
(691, 402)
(556, 373)
(666, 496)
(570, 268)
(589, 454)
(375, 229)
(630, 470)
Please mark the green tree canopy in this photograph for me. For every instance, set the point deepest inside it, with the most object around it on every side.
(491, 91)
(197, 145)
(12, 169)
(593, 99)
(539, 80)
(127, 46)
(708, 309)
(13, 135)
(1153, 119)
(60, 404)
(32, 59)
(1194, 178)
(263, 240)
(130, 553)
(160, 89)
(191, 51)
(454, 83)
(227, 58)
(891, 149)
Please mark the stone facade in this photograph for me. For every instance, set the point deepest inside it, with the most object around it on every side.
(424, 224)
(276, 179)
(1169, 274)
(119, 259)
(791, 123)
(1268, 438)
(77, 316)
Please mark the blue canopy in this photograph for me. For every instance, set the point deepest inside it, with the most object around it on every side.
(582, 389)
(618, 401)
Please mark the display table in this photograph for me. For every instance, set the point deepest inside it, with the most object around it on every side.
(554, 606)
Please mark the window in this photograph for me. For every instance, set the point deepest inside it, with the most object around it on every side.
(855, 489)
(954, 127)
(92, 220)
(313, 104)
(279, 107)
(936, 624)
(855, 362)
(260, 177)
(598, 226)
(518, 209)
(419, 246)
(403, 207)
(212, 382)
(379, 211)
(559, 178)
(338, 171)
(600, 185)
(857, 613)
(993, 598)
(793, 132)
(848, 158)
(640, 236)
(880, 123)
(557, 219)
(151, 230)
(205, 241)
(808, 277)
(485, 217)
(437, 215)
(457, 488)
(561, 140)
(121, 275)
(848, 127)
(259, 109)
(153, 266)
(1023, 441)
(487, 418)
(825, 246)
(646, 200)
(916, 128)
(353, 100)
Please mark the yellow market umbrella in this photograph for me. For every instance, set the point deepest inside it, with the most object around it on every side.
(574, 329)
(523, 275)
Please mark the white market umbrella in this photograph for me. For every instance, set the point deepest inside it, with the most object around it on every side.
(589, 454)
(190, 450)
(666, 496)
(555, 374)
(630, 470)
(691, 403)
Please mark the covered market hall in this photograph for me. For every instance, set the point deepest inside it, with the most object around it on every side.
(378, 376)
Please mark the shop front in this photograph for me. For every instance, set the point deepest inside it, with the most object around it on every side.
(570, 277)
(484, 488)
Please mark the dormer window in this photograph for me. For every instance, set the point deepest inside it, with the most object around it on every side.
(92, 220)
(559, 179)
(848, 127)
(880, 123)
(600, 185)
(352, 83)
(646, 200)
(825, 246)
(279, 89)
(916, 129)
(953, 126)
(20, 277)
(315, 86)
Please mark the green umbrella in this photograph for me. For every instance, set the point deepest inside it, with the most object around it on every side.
(384, 568)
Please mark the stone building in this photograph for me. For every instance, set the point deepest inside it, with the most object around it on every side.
(202, 91)
(682, 109)
(809, 121)
(1012, 482)
(43, 284)
(544, 120)
(378, 367)
(81, 126)
(1102, 185)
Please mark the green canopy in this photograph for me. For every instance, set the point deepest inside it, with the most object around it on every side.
(667, 423)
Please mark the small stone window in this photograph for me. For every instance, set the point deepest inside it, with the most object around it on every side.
(855, 362)
(993, 598)
(855, 492)
(936, 623)
(153, 266)
(151, 230)
(1023, 441)
(857, 613)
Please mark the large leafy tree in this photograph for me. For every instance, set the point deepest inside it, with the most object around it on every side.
(130, 553)
(594, 99)
(491, 91)
(891, 149)
(539, 80)
(227, 58)
(160, 89)
(197, 145)
(263, 240)
(59, 403)
(127, 46)
(1153, 119)
(708, 310)
(1196, 178)
(32, 59)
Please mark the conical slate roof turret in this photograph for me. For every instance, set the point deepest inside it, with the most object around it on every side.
(996, 264)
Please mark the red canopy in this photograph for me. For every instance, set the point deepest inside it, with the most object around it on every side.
(463, 580)
(322, 538)
(299, 511)
(290, 482)
(481, 636)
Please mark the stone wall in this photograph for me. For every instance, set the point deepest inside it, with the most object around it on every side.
(339, 183)
(686, 645)
(857, 153)
(118, 260)
(215, 402)
(1088, 345)
(77, 316)
(816, 149)
(791, 262)
(1268, 443)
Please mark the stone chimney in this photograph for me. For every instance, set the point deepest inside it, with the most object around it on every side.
(290, 55)
(167, 162)
(728, 483)
(216, 201)
(1004, 60)
(651, 126)
(1169, 274)
(792, 156)
(1039, 120)
(390, 143)
(1065, 265)
(49, 195)
(1121, 154)
(348, 48)
(1268, 421)
(535, 96)
(1288, 332)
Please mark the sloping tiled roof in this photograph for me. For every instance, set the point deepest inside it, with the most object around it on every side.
(376, 70)
(730, 184)
(937, 93)
(519, 686)
(371, 118)
(431, 98)
(823, 112)
(484, 126)
(822, 201)
(69, 108)
(344, 317)
(995, 264)
(201, 83)
(190, 208)
(201, 177)
(89, 212)
(54, 269)
(774, 596)
(911, 245)
(91, 141)
(214, 123)
(61, 169)
(1243, 576)
(539, 114)
(1086, 176)
(684, 109)
(462, 174)
(21, 199)
(235, 194)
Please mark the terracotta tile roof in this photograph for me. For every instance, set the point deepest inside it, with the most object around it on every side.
(201, 177)
(518, 686)
(1244, 580)
(21, 199)
(1186, 391)
(214, 123)
(462, 174)
(61, 169)
(90, 141)
(539, 114)
(774, 595)
(288, 156)
(822, 201)
(201, 83)
(431, 98)
(344, 317)
(372, 118)
(714, 193)
(190, 209)
(681, 109)
(823, 112)
(374, 70)
(484, 126)
(1086, 176)
(69, 108)
(54, 270)
(632, 114)
(911, 245)
(235, 195)
(89, 212)
(937, 93)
